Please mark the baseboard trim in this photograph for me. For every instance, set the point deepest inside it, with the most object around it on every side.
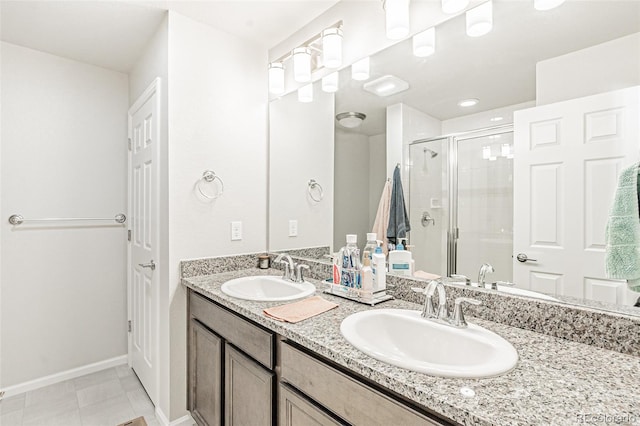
(64, 375)
(185, 420)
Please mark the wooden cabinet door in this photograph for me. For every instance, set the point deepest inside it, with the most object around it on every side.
(296, 410)
(248, 391)
(205, 371)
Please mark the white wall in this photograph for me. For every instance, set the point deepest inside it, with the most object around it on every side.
(601, 68)
(482, 120)
(377, 173)
(301, 147)
(63, 155)
(351, 207)
(218, 121)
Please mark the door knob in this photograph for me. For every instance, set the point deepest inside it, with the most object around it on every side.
(523, 258)
(150, 265)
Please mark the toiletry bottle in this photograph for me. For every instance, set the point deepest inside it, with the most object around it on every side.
(337, 267)
(400, 261)
(367, 277)
(351, 265)
(413, 261)
(370, 247)
(379, 269)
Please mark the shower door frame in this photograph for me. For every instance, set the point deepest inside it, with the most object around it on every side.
(453, 232)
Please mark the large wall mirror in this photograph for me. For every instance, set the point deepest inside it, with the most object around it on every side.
(479, 190)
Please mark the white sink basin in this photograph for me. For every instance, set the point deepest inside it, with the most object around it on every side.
(266, 289)
(403, 338)
(523, 292)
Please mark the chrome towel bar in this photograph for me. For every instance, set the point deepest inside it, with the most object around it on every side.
(16, 219)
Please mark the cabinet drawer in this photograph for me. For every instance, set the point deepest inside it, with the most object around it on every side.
(250, 338)
(295, 410)
(355, 402)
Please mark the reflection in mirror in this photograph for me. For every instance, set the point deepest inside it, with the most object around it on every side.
(488, 196)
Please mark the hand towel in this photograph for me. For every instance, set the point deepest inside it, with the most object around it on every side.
(382, 216)
(398, 217)
(622, 252)
(426, 275)
(298, 311)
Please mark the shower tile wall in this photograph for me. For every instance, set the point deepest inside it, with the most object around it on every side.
(428, 192)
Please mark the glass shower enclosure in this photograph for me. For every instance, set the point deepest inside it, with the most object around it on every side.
(461, 203)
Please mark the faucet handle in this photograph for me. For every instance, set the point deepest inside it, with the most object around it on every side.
(428, 311)
(460, 277)
(495, 285)
(299, 267)
(458, 315)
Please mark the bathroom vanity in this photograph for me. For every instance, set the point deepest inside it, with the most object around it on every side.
(246, 368)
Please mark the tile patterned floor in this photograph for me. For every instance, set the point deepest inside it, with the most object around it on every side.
(105, 398)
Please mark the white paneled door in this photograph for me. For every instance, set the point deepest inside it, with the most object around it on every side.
(567, 159)
(144, 128)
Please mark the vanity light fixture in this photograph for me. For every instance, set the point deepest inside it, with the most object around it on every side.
(332, 48)
(360, 69)
(301, 64)
(480, 19)
(498, 118)
(397, 18)
(330, 82)
(276, 78)
(424, 43)
(505, 150)
(546, 4)
(305, 93)
(454, 6)
(386, 86)
(350, 120)
(468, 103)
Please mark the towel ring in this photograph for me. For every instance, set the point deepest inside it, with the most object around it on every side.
(209, 176)
(313, 185)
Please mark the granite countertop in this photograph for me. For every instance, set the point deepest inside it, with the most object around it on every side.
(555, 381)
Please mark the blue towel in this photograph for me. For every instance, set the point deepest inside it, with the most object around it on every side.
(398, 217)
(622, 256)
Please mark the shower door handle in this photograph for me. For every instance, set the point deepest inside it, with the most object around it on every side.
(522, 257)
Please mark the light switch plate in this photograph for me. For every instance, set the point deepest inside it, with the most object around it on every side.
(293, 228)
(236, 231)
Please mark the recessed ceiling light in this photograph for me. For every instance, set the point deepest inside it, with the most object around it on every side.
(468, 102)
(496, 119)
(386, 85)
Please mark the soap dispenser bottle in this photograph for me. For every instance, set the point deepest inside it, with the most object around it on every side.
(379, 268)
(400, 260)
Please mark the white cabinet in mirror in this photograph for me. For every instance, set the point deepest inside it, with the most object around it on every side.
(540, 184)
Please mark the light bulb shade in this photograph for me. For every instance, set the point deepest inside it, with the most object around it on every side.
(305, 93)
(397, 18)
(424, 43)
(276, 78)
(350, 120)
(332, 47)
(330, 82)
(546, 4)
(454, 6)
(480, 19)
(360, 69)
(302, 64)
(486, 152)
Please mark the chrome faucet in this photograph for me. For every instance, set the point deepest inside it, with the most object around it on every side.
(289, 266)
(292, 270)
(484, 269)
(442, 315)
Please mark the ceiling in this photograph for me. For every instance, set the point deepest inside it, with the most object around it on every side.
(498, 68)
(113, 33)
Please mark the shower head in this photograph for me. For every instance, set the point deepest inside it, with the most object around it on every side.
(431, 152)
